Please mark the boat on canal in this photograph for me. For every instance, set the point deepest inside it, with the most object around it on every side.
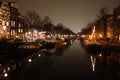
(91, 44)
(28, 48)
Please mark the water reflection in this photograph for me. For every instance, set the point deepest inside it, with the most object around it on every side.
(93, 61)
(106, 65)
(30, 67)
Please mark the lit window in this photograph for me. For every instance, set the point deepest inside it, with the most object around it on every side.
(3, 23)
(4, 27)
(7, 23)
(19, 25)
(19, 30)
(14, 32)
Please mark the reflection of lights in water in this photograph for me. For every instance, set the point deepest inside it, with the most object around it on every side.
(64, 43)
(0, 65)
(100, 54)
(30, 60)
(4, 70)
(39, 55)
(93, 61)
(5, 75)
(8, 68)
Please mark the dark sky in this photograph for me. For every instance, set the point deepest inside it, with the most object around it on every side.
(74, 14)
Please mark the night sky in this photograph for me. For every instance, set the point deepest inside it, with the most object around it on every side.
(74, 14)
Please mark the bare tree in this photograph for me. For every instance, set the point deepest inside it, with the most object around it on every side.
(46, 20)
(103, 12)
(32, 18)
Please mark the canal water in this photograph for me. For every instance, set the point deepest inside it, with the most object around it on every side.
(73, 64)
(69, 62)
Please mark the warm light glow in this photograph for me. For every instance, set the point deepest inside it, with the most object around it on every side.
(4, 27)
(8, 68)
(83, 36)
(7, 23)
(26, 33)
(90, 37)
(119, 37)
(108, 34)
(100, 35)
(64, 43)
(19, 25)
(5, 75)
(39, 55)
(19, 30)
(3, 22)
(93, 36)
(29, 60)
(100, 54)
(4, 71)
(29, 32)
(35, 31)
(17, 36)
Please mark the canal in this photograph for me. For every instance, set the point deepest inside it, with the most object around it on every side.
(69, 62)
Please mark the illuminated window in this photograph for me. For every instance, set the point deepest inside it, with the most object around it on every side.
(3, 23)
(1, 13)
(7, 23)
(13, 32)
(19, 25)
(19, 30)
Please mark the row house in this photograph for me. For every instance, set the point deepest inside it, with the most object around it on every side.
(4, 20)
(11, 21)
(109, 26)
(116, 20)
(16, 20)
(104, 27)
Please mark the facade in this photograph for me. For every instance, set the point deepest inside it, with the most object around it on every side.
(116, 21)
(13, 19)
(4, 20)
(109, 27)
(11, 22)
(104, 27)
(20, 28)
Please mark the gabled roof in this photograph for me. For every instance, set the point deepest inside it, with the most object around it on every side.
(13, 4)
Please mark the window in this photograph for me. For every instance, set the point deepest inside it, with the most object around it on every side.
(19, 25)
(13, 23)
(19, 30)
